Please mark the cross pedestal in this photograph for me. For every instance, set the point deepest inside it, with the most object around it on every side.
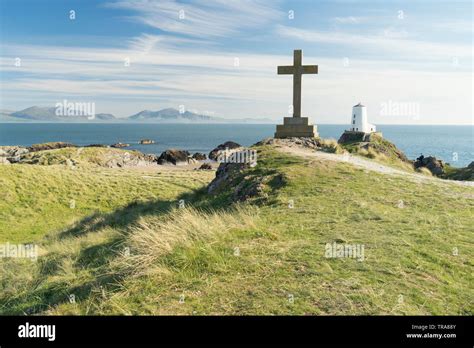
(296, 126)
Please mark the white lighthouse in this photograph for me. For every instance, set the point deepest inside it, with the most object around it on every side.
(359, 120)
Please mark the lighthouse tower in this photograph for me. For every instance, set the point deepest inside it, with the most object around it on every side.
(359, 120)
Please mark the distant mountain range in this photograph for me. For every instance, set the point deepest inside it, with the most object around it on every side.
(47, 114)
(169, 115)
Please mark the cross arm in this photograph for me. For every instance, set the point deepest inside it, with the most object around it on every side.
(286, 70)
(310, 69)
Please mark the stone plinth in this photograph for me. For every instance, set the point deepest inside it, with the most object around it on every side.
(296, 127)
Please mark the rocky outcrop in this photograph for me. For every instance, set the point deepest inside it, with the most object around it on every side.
(119, 145)
(226, 176)
(371, 145)
(49, 146)
(4, 160)
(151, 158)
(435, 166)
(462, 174)
(228, 145)
(62, 154)
(98, 156)
(96, 145)
(311, 143)
(205, 166)
(241, 183)
(129, 159)
(386, 148)
(12, 154)
(147, 142)
(174, 156)
(198, 156)
(353, 136)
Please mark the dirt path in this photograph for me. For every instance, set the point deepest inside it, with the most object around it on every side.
(367, 165)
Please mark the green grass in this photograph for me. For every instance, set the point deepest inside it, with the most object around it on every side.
(260, 257)
(380, 150)
(35, 200)
(453, 173)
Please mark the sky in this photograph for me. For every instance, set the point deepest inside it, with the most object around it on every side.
(409, 62)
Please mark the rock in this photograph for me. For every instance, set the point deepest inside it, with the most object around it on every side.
(205, 166)
(119, 145)
(151, 157)
(462, 174)
(248, 188)
(199, 156)
(267, 141)
(4, 160)
(436, 167)
(351, 137)
(129, 159)
(146, 141)
(174, 156)
(312, 143)
(354, 137)
(371, 145)
(230, 145)
(97, 145)
(49, 146)
(226, 173)
(107, 157)
(13, 154)
(13, 151)
(242, 183)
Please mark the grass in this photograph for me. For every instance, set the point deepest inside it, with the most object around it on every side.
(331, 146)
(36, 200)
(259, 257)
(453, 173)
(380, 150)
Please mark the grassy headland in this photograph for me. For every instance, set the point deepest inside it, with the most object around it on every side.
(212, 256)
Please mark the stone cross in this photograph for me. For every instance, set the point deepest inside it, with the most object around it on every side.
(297, 70)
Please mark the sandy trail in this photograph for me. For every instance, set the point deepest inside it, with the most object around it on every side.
(367, 165)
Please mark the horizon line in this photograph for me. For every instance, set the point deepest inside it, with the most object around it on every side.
(223, 123)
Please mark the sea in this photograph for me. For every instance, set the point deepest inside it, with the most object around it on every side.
(453, 144)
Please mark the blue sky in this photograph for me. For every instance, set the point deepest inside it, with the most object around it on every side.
(219, 57)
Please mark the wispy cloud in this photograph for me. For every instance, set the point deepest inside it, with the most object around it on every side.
(459, 26)
(161, 76)
(390, 41)
(186, 61)
(348, 20)
(204, 19)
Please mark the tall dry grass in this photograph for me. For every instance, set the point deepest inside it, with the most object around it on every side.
(424, 171)
(331, 146)
(154, 237)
